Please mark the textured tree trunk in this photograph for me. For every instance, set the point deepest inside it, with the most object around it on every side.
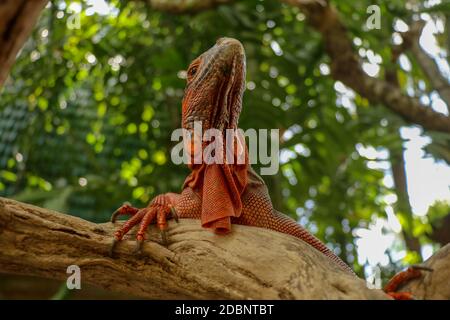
(250, 263)
(17, 18)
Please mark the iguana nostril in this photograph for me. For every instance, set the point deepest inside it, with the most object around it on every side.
(231, 43)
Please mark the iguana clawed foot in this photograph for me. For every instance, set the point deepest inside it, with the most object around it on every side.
(413, 272)
(159, 210)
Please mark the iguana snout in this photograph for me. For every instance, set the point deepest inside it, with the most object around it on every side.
(215, 86)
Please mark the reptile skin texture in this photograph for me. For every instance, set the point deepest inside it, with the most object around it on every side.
(219, 195)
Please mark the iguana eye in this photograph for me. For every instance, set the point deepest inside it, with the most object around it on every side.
(192, 71)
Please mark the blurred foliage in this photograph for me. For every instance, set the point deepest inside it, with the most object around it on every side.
(86, 116)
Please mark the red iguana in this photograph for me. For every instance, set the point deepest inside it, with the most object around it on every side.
(219, 194)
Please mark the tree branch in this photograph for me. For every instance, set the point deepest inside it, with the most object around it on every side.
(250, 263)
(397, 159)
(185, 6)
(17, 19)
(440, 230)
(427, 64)
(346, 67)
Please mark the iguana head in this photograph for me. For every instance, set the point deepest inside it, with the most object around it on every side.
(213, 95)
(215, 86)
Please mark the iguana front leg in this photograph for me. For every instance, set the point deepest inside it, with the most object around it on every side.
(159, 210)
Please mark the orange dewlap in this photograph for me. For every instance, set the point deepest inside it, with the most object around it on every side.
(221, 198)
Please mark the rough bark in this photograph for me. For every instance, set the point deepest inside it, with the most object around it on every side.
(346, 67)
(250, 263)
(19, 287)
(17, 18)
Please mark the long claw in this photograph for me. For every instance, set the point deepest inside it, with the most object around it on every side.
(164, 237)
(112, 247)
(423, 268)
(115, 215)
(128, 210)
(174, 214)
(139, 244)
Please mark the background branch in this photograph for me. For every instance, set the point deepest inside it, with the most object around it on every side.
(185, 6)
(346, 67)
(17, 19)
(427, 64)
